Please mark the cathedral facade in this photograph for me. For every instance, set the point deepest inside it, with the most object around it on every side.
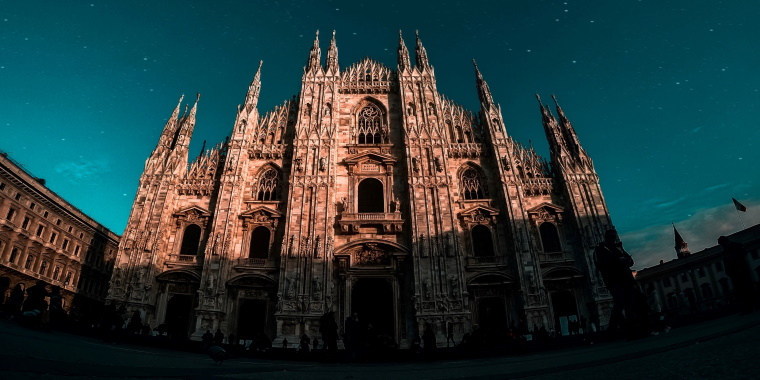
(370, 193)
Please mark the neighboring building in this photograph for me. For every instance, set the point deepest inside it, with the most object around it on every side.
(368, 192)
(43, 237)
(697, 282)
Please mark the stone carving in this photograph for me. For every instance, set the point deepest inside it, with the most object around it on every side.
(416, 164)
(438, 164)
(316, 287)
(454, 286)
(322, 164)
(371, 254)
(426, 288)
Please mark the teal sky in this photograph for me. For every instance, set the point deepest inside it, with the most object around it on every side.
(663, 94)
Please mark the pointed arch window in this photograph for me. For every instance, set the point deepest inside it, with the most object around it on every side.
(549, 237)
(269, 186)
(369, 125)
(472, 184)
(190, 240)
(482, 242)
(260, 239)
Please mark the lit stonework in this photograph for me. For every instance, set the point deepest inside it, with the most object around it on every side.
(368, 192)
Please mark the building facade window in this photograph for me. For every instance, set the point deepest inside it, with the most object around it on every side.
(191, 240)
(369, 126)
(549, 237)
(14, 255)
(76, 250)
(25, 224)
(472, 184)
(53, 235)
(269, 186)
(11, 214)
(260, 239)
(40, 230)
(482, 242)
(370, 196)
(65, 244)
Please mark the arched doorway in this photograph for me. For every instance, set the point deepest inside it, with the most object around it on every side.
(179, 312)
(372, 299)
(252, 318)
(565, 310)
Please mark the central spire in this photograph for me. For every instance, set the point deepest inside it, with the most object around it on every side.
(314, 55)
(484, 93)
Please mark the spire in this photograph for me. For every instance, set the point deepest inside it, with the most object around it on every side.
(484, 93)
(421, 54)
(403, 54)
(682, 249)
(170, 129)
(332, 56)
(571, 138)
(314, 55)
(252, 97)
(551, 128)
(187, 125)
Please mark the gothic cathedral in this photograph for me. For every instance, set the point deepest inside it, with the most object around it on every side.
(370, 193)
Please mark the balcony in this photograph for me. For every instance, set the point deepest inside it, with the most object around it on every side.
(554, 257)
(252, 263)
(367, 222)
(182, 260)
(486, 261)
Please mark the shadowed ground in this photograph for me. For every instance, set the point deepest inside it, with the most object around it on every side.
(724, 348)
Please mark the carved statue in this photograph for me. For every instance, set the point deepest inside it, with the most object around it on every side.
(416, 164)
(426, 288)
(316, 285)
(322, 164)
(344, 204)
(438, 165)
(396, 205)
(454, 284)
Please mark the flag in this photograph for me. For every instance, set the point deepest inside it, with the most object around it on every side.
(739, 206)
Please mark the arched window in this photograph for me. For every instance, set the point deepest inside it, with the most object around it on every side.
(259, 243)
(472, 186)
(369, 125)
(370, 196)
(482, 243)
(190, 240)
(269, 185)
(549, 237)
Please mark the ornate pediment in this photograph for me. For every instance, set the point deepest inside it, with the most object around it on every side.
(479, 215)
(546, 212)
(370, 254)
(192, 215)
(260, 215)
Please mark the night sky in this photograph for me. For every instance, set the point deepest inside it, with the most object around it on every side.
(664, 95)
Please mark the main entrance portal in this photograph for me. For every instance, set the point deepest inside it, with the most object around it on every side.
(252, 318)
(179, 311)
(372, 299)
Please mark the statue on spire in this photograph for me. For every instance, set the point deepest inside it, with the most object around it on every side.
(403, 54)
(421, 54)
(314, 55)
(332, 55)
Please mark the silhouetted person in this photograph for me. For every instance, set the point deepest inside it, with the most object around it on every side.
(232, 340)
(305, 342)
(735, 261)
(208, 339)
(218, 337)
(351, 334)
(16, 299)
(450, 334)
(284, 342)
(35, 299)
(57, 314)
(135, 323)
(428, 340)
(329, 330)
(614, 264)
(315, 344)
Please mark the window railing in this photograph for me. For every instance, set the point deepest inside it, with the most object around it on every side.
(254, 262)
(184, 259)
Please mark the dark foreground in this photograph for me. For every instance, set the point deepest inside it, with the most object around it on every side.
(724, 348)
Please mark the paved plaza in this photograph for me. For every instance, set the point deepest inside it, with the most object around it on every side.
(724, 348)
